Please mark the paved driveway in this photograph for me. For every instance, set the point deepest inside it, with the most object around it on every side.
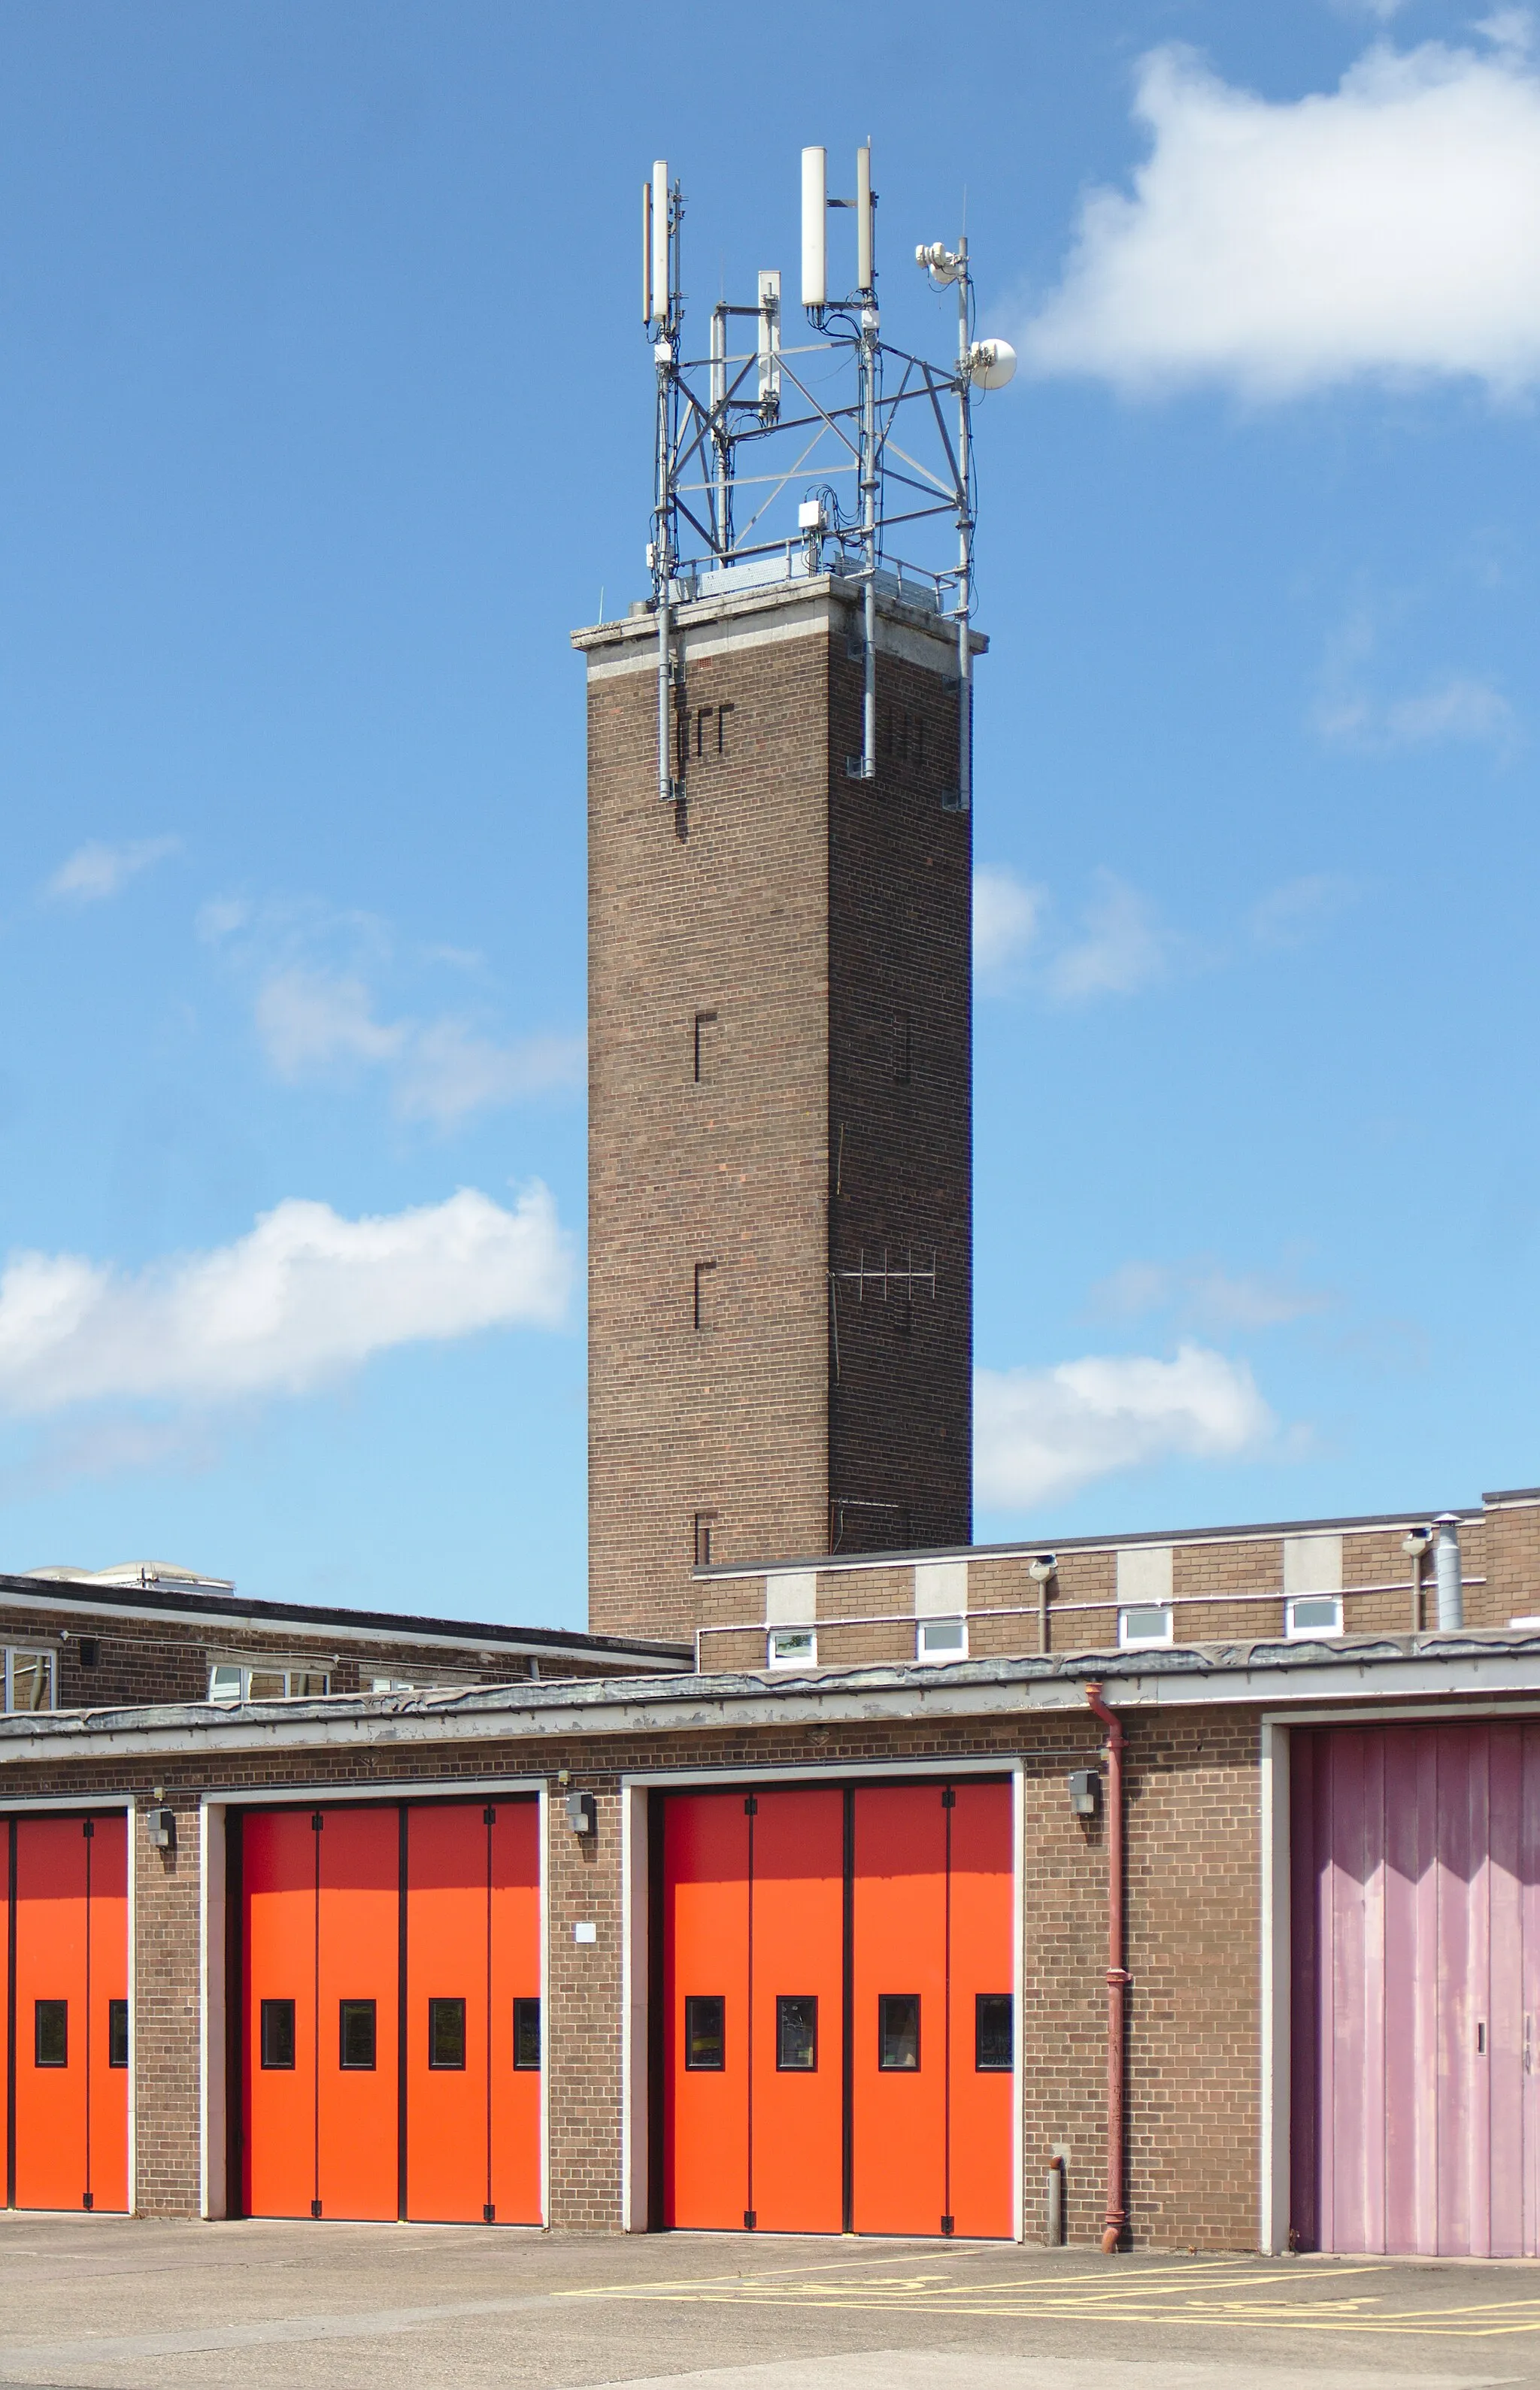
(87, 2302)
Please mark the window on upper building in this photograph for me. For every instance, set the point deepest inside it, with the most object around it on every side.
(792, 1647)
(1307, 1616)
(30, 1681)
(1144, 1624)
(233, 1680)
(432, 1684)
(941, 1639)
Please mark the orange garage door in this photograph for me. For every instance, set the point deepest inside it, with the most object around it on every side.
(834, 1980)
(391, 2035)
(66, 1902)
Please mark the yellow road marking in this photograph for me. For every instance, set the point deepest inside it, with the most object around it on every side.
(1206, 2291)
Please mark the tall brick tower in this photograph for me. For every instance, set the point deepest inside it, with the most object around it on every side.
(778, 970)
(780, 771)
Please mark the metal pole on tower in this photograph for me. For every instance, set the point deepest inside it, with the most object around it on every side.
(867, 268)
(965, 535)
(663, 209)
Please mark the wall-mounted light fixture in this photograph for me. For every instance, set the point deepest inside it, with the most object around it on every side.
(1085, 1792)
(582, 1815)
(160, 1826)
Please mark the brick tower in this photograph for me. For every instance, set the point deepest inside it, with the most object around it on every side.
(779, 1139)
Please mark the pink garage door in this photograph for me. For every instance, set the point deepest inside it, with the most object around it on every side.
(1417, 1989)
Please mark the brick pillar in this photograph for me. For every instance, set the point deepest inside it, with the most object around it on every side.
(166, 2017)
(583, 2027)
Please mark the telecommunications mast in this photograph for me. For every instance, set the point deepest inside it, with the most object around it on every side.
(872, 455)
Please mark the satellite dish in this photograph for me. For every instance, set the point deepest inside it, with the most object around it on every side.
(991, 364)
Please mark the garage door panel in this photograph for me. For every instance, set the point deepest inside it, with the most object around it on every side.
(516, 2100)
(899, 2120)
(982, 2200)
(358, 1963)
(107, 2086)
(279, 1863)
(706, 1958)
(449, 2016)
(51, 2160)
(798, 1898)
(1410, 1900)
(1416, 1948)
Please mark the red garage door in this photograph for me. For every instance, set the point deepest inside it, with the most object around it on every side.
(352, 2105)
(753, 1892)
(1416, 1938)
(836, 1985)
(67, 1919)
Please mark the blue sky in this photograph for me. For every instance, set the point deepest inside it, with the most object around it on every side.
(328, 414)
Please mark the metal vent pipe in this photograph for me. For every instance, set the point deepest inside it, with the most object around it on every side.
(1448, 1575)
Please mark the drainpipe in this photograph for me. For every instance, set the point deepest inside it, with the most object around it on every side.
(1446, 1573)
(1117, 1981)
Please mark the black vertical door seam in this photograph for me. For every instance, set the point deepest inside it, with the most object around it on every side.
(88, 1831)
(751, 1807)
(400, 2019)
(847, 2025)
(10, 2027)
(658, 2025)
(948, 1800)
(237, 2008)
(488, 2211)
(315, 2076)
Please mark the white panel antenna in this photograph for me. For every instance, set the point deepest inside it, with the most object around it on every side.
(646, 254)
(769, 384)
(866, 268)
(815, 228)
(659, 214)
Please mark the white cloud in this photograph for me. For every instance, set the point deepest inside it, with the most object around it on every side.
(1210, 1297)
(1389, 229)
(1462, 707)
(1039, 1434)
(221, 917)
(1292, 914)
(95, 871)
(1351, 712)
(304, 1297)
(310, 1019)
(448, 1072)
(1123, 947)
(1507, 29)
(1007, 912)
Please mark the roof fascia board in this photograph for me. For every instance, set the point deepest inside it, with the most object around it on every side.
(232, 1622)
(830, 1564)
(698, 1710)
(402, 1788)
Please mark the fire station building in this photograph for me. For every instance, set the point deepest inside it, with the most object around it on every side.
(1179, 1889)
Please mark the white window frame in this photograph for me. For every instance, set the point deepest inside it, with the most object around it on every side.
(775, 1657)
(244, 1669)
(1129, 1641)
(29, 1652)
(924, 1627)
(1296, 1633)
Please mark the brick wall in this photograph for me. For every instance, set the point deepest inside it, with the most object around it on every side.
(1225, 1589)
(776, 925)
(149, 1660)
(1193, 1948)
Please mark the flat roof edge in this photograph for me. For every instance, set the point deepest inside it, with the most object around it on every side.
(44, 1592)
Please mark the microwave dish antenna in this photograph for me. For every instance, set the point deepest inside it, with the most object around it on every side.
(843, 454)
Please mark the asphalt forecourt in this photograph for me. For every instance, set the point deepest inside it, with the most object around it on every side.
(89, 2301)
